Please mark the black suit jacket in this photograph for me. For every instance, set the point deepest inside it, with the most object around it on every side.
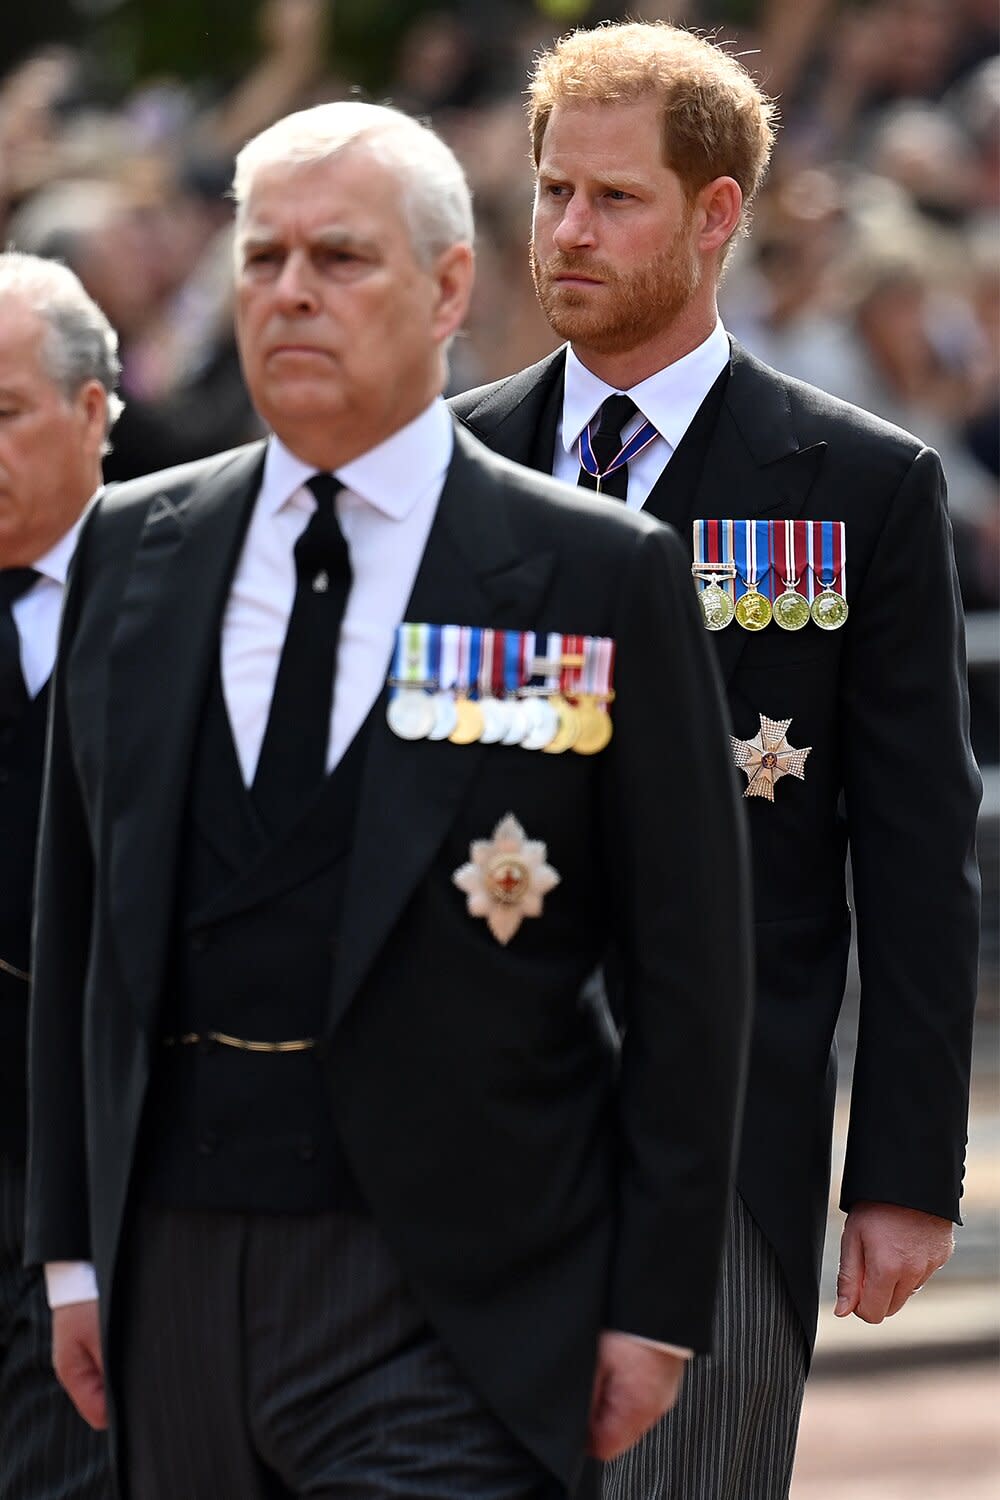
(531, 1196)
(883, 704)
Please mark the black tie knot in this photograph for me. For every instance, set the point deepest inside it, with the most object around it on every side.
(606, 445)
(325, 489)
(616, 413)
(14, 582)
(322, 544)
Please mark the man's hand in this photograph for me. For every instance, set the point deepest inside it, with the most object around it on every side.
(634, 1385)
(77, 1359)
(886, 1254)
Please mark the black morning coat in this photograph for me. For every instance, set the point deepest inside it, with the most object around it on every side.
(883, 704)
(534, 1187)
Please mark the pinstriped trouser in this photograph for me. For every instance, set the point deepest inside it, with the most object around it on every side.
(267, 1357)
(47, 1452)
(732, 1434)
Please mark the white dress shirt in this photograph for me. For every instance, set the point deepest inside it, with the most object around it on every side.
(36, 613)
(669, 399)
(385, 510)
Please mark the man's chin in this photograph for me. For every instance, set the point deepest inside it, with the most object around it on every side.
(587, 332)
(569, 315)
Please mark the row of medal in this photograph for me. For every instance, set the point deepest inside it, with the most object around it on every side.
(469, 684)
(738, 566)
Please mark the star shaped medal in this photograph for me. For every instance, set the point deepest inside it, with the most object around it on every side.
(506, 878)
(768, 757)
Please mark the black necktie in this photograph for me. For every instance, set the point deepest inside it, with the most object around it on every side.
(293, 755)
(606, 442)
(13, 694)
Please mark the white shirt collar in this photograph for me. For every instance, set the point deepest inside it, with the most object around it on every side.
(669, 398)
(54, 564)
(390, 476)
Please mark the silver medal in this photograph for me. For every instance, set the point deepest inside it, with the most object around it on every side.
(517, 724)
(543, 724)
(410, 714)
(445, 715)
(495, 720)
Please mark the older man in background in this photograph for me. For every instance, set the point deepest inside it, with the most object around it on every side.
(58, 370)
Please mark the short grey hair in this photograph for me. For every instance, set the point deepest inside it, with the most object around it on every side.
(80, 344)
(436, 199)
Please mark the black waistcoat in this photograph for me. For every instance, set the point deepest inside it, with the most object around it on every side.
(254, 950)
(22, 749)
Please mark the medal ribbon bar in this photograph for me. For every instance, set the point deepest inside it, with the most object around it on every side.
(734, 557)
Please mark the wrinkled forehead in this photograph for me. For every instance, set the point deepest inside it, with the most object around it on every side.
(351, 182)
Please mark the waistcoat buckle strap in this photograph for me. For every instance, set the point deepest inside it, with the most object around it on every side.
(194, 1038)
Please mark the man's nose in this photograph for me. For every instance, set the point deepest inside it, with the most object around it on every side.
(295, 289)
(576, 226)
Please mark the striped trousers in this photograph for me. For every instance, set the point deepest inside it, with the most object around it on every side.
(47, 1452)
(267, 1357)
(732, 1433)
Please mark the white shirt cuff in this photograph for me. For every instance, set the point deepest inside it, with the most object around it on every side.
(677, 1349)
(69, 1281)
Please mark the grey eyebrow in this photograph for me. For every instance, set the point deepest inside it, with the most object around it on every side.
(330, 239)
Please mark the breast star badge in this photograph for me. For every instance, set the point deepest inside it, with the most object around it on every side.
(506, 879)
(768, 757)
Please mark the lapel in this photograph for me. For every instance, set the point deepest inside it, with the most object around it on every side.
(518, 419)
(472, 573)
(165, 641)
(754, 466)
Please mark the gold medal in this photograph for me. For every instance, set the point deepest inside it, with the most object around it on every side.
(470, 725)
(569, 726)
(753, 610)
(595, 726)
(829, 610)
(716, 606)
(791, 610)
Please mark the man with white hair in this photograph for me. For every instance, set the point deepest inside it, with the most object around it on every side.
(58, 369)
(368, 1206)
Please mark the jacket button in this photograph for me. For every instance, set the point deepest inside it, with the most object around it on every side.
(199, 942)
(208, 1143)
(6, 734)
(307, 1149)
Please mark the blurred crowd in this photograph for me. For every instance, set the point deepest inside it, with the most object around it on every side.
(873, 268)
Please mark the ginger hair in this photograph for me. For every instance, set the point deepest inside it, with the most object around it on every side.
(717, 122)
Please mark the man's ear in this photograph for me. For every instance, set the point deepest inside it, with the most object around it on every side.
(454, 273)
(92, 406)
(719, 205)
